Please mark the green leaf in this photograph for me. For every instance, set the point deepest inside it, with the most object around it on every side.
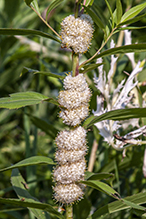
(132, 28)
(89, 67)
(119, 205)
(120, 114)
(32, 204)
(132, 20)
(34, 3)
(102, 187)
(133, 12)
(89, 3)
(110, 10)
(19, 185)
(141, 47)
(54, 4)
(22, 99)
(97, 176)
(44, 126)
(35, 160)
(95, 18)
(119, 10)
(135, 206)
(99, 12)
(10, 31)
(28, 2)
(61, 75)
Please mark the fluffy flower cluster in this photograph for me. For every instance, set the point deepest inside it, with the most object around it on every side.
(76, 33)
(71, 149)
(74, 100)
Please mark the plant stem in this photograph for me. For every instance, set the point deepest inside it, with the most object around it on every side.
(98, 50)
(92, 156)
(44, 21)
(69, 212)
(75, 65)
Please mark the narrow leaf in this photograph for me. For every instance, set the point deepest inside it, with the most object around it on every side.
(95, 18)
(89, 67)
(10, 31)
(141, 47)
(35, 160)
(110, 10)
(133, 205)
(119, 205)
(22, 99)
(132, 20)
(54, 4)
(32, 204)
(89, 2)
(50, 74)
(44, 126)
(132, 28)
(119, 10)
(120, 114)
(35, 5)
(98, 176)
(19, 185)
(133, 12)
(103, 187)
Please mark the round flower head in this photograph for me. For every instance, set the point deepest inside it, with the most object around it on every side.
(68, 194)
(77, 83)
(72, 140)
(75, 116)
(76, 33)
(64, 156)
(69, 173)
(72, 99)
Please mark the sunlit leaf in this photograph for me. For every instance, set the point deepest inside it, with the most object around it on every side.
(132, 12)
(35, 160)
(18, 100)
(132, 20)
(103, 187)
(89, 2)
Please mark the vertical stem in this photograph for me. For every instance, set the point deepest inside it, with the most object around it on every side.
(92, 156)
(75, 66)
(69, 212)
(76, 9)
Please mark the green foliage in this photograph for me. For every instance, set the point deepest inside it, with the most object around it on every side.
(22, 99)
(7, 31)
(120, 114)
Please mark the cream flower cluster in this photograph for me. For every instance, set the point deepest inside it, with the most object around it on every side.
(76, 33)
(71, 145)
(74, 100)
(71, 149)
